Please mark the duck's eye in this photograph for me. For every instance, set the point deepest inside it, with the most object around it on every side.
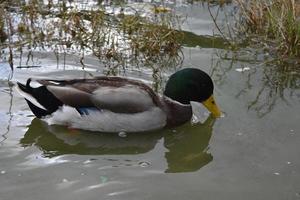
(213, 102)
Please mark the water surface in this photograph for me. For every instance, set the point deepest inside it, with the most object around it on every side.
(251, 153)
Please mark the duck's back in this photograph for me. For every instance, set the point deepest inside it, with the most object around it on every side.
(113, 93)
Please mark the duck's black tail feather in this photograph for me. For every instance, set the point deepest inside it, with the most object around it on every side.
(26, 88)
(48, 102)
(38, 112)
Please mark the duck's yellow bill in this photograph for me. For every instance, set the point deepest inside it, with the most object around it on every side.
(211, 105)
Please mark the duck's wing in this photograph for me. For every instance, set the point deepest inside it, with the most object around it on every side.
(117, 94)
(126, 99)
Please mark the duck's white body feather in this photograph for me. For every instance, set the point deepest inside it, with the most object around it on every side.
(107, 121)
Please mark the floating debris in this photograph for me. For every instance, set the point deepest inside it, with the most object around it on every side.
(144, 164)
(65, 180)
(242, 69)
(103, 179)
(276, 173)
(89, 161)
(122, 134)
(3, 172)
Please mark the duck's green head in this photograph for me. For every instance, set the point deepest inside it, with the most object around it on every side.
(192, 84)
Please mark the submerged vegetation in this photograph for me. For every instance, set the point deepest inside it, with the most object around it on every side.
(144, 35)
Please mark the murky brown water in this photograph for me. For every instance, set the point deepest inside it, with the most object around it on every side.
(251, 153)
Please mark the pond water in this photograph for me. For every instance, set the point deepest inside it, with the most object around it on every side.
(250, 153)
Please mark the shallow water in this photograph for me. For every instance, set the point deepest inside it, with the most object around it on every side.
(250, 153)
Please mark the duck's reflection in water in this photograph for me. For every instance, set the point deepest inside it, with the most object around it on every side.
(187, 145)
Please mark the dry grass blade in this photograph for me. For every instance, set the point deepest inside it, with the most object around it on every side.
(277, 20)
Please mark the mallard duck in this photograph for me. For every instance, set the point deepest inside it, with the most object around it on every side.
(115, 104)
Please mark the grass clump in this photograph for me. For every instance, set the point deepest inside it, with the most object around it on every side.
(3, 35)
(275, 22)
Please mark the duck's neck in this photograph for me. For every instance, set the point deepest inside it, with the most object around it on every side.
(177, 113)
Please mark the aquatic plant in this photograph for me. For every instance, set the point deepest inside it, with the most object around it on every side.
(118, 39)
(273, 23)
(3, 35)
